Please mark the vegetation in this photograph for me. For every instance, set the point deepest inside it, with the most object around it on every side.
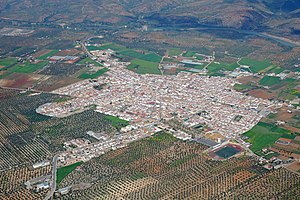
(6, 62)
(144, 67)
(216, 67)
(241, 87)
(29, 67)
(45, 56)
(88, 60)
(116, 122)
(174, 52)
(270, 80)
(264, 135)
(94, 75)
(65, 171)
(255, 65)
(188, 54)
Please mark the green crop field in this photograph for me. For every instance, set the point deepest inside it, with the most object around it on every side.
(270, 80)
(255, 65)
(6, 62)
(215, 67)
(28, 67)
(264, 135)
(152, 57)
(131, 53)
(174, 52)
(89, 61)
(144, 67)
(188, 54)
(240, 87)
(45, 56)
(116, 122)
(94, 75)
(65, 171)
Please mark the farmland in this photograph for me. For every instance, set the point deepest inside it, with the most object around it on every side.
(6, 62)
(270, 80)
(88, 75)
(144, 67)
(174, 52)
(264, 135)
(116, 122)
(64, 171)
(29, 67)
(255, 65)
(162, 167)
(49, 54)
(89, 61)
(216, 67)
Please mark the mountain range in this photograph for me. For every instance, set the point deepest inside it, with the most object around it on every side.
(273, 16)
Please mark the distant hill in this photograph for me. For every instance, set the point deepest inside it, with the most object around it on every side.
(276, 16)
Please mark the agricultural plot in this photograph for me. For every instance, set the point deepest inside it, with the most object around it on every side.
(144, 67)
(88, 75)
(255, 65)
(270, 80)
(7, 62)
(27, 137)
(47, 55)
(64, 171)
(61, 69)
(162, 167)
(152, 57)
(28, 67)
(88, 60)
(116, 122)
(174, 52)
(264, 135)
(216, 67)
(241, 87)
(188, 54)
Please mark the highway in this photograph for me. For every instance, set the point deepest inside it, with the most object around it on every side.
(53, 180)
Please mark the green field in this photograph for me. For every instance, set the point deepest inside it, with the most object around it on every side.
(215, 67)
(6, 62)
(152, 57)
(270, 80)
(144, 67)
(45, 56)
(188, 54)
(28, 67)
(88, 60)
(65, 171)
(174, 52)
(162, 137)
(94, 75)
(255, 65)
(264, 135)
(240, 87)
(116, 122)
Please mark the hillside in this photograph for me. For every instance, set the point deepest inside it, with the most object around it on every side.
(280, 16)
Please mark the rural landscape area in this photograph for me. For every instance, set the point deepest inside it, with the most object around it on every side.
(149, 99)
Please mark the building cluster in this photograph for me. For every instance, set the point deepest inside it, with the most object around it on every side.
(89, 151)
(143, 99)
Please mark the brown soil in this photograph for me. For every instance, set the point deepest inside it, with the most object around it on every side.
(260, 93)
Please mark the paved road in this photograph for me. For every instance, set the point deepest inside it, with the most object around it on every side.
(53, 180)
